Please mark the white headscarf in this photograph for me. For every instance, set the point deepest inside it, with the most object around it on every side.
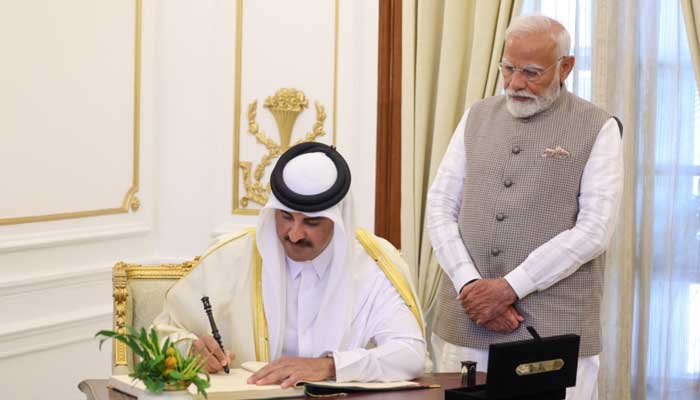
(337, 302)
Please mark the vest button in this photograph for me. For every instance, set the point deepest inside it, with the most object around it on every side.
(507, 183)
(516, 149)
(500, 217)
(495, 251)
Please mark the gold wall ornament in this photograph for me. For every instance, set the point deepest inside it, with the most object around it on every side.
(135, 203)
(285, 106)
(238, 167)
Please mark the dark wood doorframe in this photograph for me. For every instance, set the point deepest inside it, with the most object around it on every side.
(387, 217)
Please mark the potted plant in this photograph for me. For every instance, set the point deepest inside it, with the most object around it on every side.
(164, 371)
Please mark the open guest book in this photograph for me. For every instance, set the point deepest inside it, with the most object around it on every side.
(234, 387)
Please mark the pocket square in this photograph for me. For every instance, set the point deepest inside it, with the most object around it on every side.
(557, 152)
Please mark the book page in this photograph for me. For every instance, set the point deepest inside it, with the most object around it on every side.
(236, 381)
(362, 385)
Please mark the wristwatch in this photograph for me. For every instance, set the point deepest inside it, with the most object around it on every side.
(329, 354)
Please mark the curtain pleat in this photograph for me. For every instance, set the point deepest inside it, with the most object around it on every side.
(451, 50)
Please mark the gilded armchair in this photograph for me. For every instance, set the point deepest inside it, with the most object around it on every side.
(139, 292)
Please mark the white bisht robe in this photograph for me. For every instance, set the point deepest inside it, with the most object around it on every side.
(369, 316)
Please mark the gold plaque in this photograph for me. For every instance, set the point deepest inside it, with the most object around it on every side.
(539, 367)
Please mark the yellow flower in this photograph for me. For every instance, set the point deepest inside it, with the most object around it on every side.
(170, 362)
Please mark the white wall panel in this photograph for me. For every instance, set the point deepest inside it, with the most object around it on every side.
(67, 106)
(357, 101)
(197, 102)
(67, 144)
(55, 372)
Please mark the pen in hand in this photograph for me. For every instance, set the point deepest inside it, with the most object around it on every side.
(214, 329)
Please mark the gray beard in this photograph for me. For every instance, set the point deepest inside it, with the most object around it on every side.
(537, 104)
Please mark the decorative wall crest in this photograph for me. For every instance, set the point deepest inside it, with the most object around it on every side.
(285, 106)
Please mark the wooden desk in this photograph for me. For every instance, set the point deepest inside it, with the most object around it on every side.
(96, 389)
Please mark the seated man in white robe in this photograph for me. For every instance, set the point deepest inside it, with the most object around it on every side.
(304, 290)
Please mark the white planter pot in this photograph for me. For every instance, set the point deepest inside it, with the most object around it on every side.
(167, 395)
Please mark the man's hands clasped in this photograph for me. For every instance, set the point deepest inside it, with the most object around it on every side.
(489, 302)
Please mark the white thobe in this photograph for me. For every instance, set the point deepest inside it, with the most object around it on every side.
(390, 317)
(383, 340)
(599, 199)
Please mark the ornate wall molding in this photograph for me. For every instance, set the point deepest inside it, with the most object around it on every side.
(61, 280)
(56, 331)
(285, 105)
(129, 201)
(19, 242)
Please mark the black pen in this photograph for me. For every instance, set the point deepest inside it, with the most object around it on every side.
(214, 330)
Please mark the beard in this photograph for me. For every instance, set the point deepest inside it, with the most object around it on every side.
(535, 104)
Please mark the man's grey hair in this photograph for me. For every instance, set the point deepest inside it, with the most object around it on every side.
(536, 23)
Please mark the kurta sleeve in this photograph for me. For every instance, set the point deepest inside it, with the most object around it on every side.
(599, 201)
(442, 212)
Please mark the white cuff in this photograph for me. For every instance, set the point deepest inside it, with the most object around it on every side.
(343, 361)
(520, 281)
(464, 275)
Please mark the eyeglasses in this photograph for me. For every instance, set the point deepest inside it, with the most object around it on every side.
(531, 74)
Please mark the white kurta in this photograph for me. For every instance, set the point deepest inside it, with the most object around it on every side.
(378, 315)
(599, 200)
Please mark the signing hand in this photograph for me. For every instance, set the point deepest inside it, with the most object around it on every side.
(207, 348)
(289, 370)
(486, 299)
(505, 323)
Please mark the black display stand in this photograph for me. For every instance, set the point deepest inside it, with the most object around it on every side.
(536, 369)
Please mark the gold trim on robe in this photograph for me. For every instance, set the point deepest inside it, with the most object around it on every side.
(262, 338)
(392, 273)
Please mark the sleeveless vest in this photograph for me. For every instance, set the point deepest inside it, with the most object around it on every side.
(521, 189)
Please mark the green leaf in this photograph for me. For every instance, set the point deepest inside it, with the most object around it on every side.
(153, 364)
(177, 375)
(154, 341)
(143, 338)
(201, 385)
(132, 331)
(155, 386)
(164, 349)
(101, 342)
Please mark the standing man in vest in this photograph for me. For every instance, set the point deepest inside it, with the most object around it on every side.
(523, 207)
(304, 291)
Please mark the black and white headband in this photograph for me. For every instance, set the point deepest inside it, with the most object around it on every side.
(310, 177)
